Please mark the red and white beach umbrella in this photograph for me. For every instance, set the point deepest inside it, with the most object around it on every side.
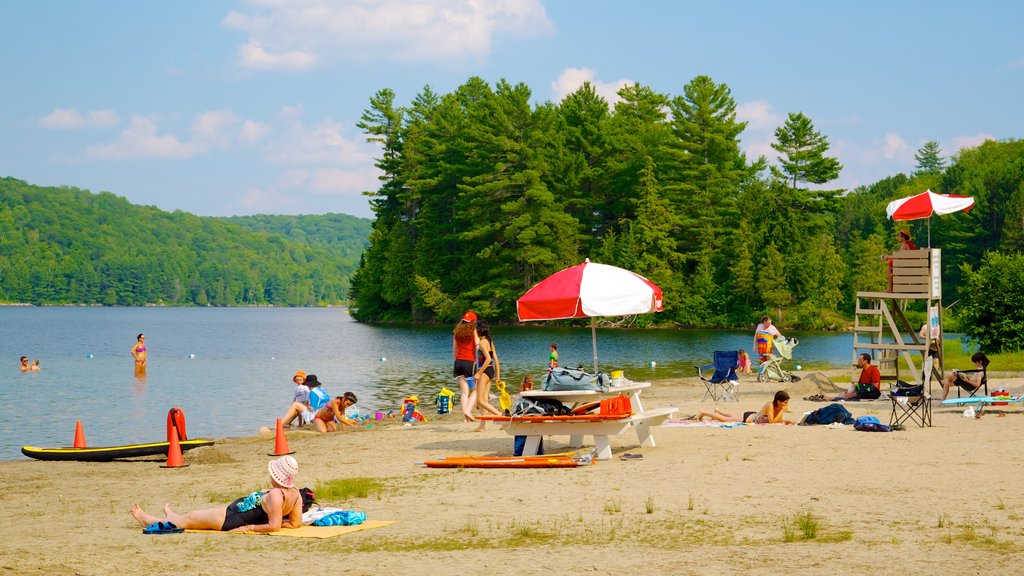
(925, 204)
(590, 290)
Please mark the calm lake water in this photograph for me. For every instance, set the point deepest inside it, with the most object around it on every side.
(240, 376)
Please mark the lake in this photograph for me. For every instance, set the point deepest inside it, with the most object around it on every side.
(230, 369)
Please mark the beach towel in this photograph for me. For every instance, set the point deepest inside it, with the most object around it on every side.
(314, 531)
(696, 424)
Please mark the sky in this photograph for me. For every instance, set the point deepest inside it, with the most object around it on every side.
(244, 107)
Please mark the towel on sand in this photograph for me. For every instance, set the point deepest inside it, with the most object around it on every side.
(316, 531)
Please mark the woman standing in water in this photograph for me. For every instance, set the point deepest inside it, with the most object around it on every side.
(488, 369)
(139, 354)
(464, 344)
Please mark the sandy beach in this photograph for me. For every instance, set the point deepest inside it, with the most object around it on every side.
(704, 500)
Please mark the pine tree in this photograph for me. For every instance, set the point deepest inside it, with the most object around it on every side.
(802, 153)
(929, 159)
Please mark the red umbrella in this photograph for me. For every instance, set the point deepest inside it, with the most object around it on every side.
(589, 290)
(925, 204)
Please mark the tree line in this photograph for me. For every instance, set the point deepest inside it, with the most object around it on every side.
(63, 245)
(483, 194)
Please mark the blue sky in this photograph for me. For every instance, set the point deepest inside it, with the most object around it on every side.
(245, 107)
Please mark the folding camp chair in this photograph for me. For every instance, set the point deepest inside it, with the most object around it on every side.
(984, 382)
(723, 384)
(916, 406)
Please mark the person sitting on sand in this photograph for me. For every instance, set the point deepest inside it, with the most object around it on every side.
(334, 410)
(868, 386)
(771, 413)
(744, 362)
(301, 393)
(969, 380)
(261, 511)
(316, 400)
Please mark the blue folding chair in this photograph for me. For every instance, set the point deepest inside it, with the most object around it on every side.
(723, 384)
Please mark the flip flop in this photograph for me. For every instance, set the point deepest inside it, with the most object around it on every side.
(632, 456)
(162, 528)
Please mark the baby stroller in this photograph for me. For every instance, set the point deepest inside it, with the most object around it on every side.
(771, 369)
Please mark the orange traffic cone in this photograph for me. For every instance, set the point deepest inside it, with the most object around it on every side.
(79, 435)
(174, 459)
(280, 442)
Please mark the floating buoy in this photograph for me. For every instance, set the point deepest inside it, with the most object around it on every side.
(653, 363)
(383, 359)
(191, 355)
(88, 355)
(797, 367)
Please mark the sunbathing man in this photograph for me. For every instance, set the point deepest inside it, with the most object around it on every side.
(868, 385)
(261, 511)
(771, 413)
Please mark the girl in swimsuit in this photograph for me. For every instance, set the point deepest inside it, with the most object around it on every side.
(334, 410)
(139, 354)
(770, 413)
(261, 511)
(488, 370)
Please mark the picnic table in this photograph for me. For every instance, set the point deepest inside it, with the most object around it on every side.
(602, 429)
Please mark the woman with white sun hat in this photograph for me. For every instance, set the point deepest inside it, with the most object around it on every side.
(261, 511)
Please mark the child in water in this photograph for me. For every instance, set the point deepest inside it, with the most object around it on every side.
(527, 383)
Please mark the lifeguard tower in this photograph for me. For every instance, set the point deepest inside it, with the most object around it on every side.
(882, 330)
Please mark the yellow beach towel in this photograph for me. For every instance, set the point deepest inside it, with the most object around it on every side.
(315, 531)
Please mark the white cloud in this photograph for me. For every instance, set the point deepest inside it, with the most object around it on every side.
(71, 118)
(965, 141)
(334, 181)
(1019, 63)
(762, 120)
(141, 140)
(301, 33)
(253, 55)
(758, 115)
(211, 130)
(324, 142)
(895, 147)
(572, 79)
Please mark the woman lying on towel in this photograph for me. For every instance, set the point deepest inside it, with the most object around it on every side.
(771, 413)
(262, 511)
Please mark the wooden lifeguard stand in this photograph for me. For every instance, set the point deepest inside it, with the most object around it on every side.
(916, 275)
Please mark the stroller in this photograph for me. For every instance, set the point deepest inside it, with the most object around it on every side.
(771, 369)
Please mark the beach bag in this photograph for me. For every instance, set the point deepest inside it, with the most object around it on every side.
(539, 407)
(570, 379)
(308, 498)
(907, 389)
(519, 444)
(830, 414)
(870, 424)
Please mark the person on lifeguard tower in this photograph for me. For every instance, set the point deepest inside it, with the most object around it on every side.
(764, 337)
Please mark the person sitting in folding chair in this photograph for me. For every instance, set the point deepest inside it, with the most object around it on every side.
(868, 385)
(969, 380)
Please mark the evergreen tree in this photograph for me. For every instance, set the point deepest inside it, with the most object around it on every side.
(802, 153)
(929, 159)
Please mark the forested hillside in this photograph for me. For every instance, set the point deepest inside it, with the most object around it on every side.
(486, 194)
(65, 245)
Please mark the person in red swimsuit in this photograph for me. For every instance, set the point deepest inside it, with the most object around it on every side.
(334, 410)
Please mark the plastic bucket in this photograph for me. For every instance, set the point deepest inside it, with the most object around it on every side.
(616, 377)
(378, 415)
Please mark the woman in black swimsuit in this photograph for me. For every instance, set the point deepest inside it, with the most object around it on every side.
(261, 511)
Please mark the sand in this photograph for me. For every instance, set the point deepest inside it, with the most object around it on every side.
(944, 499)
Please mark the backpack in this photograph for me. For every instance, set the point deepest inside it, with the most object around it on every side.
(829, 414)
(539, 407)
(570, 379)
(308, 498)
